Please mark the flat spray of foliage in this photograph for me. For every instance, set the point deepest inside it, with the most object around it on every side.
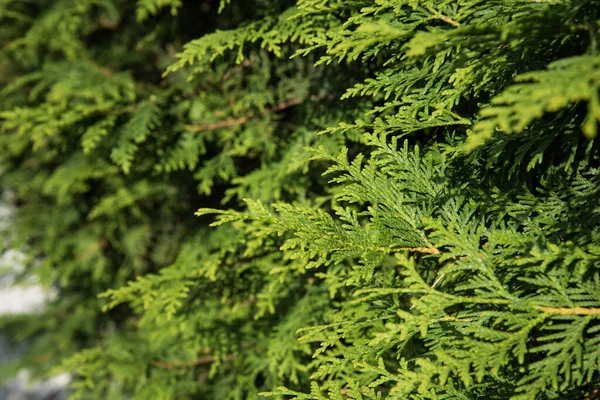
(404, 196)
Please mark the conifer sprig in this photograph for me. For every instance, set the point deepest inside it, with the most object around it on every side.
(403, 196)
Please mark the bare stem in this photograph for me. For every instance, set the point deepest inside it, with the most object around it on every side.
(242, 120)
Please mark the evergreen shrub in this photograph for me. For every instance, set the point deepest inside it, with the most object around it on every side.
(395, 199)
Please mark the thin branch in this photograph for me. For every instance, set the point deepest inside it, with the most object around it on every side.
(428, 250)
(437, 281)
(569, 311)
(242, 120)
(448, 20)
(442, 17)
(217, 125)
(455, 319)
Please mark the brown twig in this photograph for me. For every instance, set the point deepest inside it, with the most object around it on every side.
(190, 364)
(442, 17)
(428, 250)
(217, 125)
(242, 120)
(594, 395)
(448, 20)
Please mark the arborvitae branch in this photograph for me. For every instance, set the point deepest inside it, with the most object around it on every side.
(431, 232)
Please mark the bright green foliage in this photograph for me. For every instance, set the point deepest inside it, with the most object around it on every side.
(404, 196)
(145, 8)
(568, 81)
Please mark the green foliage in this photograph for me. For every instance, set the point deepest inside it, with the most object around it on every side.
(397, 199)
(568, 81)
(146, 8)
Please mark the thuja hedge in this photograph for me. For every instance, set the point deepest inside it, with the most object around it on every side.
(394, 199)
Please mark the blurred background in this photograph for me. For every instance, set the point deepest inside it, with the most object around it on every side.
(22, 298)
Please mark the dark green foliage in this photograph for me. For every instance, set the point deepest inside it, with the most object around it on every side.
(404, 196)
